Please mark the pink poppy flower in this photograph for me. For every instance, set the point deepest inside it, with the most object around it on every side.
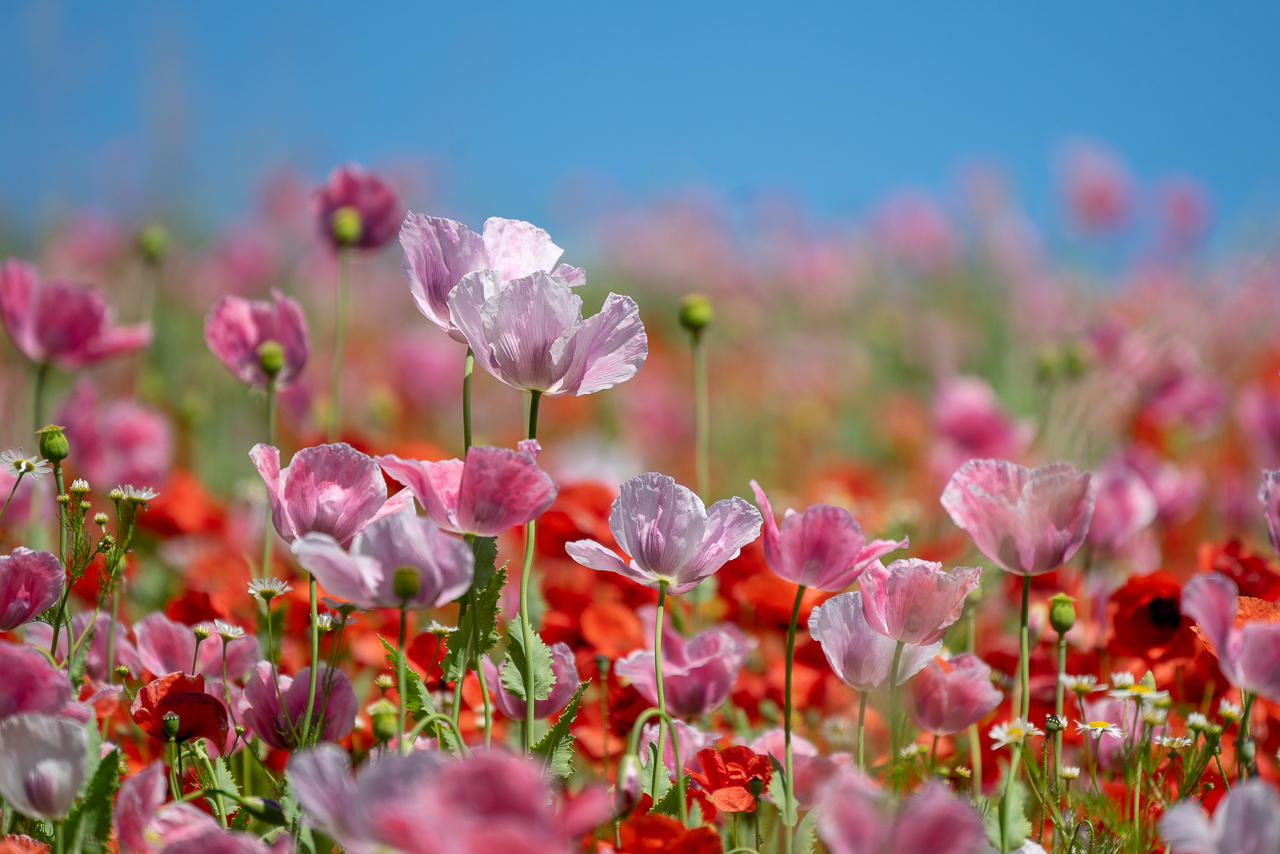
(1178, 491)
(529, 333)
(823, 547)
(914, 601)
(44, 764)
(811, 770)
(1098, 189)
(1259, 416)
(235, 328)
(859, 655)
(364, 575)
(60, 323)
(1123, 506)
(1250, 656)
(852, 820)
(351, 188)
(692, 741)
(950, 696)
(31, 683)
(972, 425)
(330, 489)
(165, 646)
(1246, 821)
(215, 840)
(438, 252)
(30, 584)
(566, 682)
(95, 661)
(493, 491)
(122, 442)
(697, 674)
(1269, 495)
(144, 824)
(1027, 521)
(669, 534)
(262, 710)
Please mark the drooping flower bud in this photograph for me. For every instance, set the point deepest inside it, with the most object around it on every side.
(53, 444)
(695, 313)
(271, 357)
(1062, 613)
(347, 226)
(404, 586)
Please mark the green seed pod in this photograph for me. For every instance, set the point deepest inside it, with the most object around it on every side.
(53, 444)
(153, 241)
(405, 583)
(695, 313)
(1062, 613)
(347, 225)
(385, 719)
(170, 724)
(1075, 360)
(271, 357)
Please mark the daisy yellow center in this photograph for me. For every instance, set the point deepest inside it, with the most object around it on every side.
(1099, 724)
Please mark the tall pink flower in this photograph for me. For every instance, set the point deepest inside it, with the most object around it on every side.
(31, 683)
(438, 252)
(669, 534)
(145, 825)
(236, 328)
(697, 674)
(1123, 506)
(858, 654)
(493, 491)
(914, 601)
(1249, 656)
(60, 323)
(1269, 495)
(530, 334)
(351, 189)
(364, 575)
(566, 682)
(122, 442)
(272, 723)
(823, 547)
(1246, 821)
(95, 660)
(329, 489)
(165, 646)
(692, 741)
(853, 819)
(950, 696)
(971, 425)
(1027, 521)
(30, 583)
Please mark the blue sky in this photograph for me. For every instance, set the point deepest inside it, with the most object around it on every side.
(508, 103)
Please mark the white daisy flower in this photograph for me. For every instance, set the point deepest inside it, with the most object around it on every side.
(20, 463)
(267, 589)
(1097, 729)
(1014, 732)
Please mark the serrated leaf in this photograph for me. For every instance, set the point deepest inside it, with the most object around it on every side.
(513, 674)
(224, 782)
(417, 701)
(1019, 826)
(293, 815)
(646, 777)
(90, 819)
(778, 794)
(806, 837)
(486, 553)
(670, 803)
(79, 655)
(557, 745)
(478, 616)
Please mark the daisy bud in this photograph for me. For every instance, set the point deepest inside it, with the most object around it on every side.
(53, 444)
(86, 506)
(153, 241)
(404, 586)
(79, 486)
(1062, 613)
(122, 670)
(239, 729)
(384, 682)
(201, 631)
(64, 499)
(99, 519)
(271, 357)
(116, 495)
(695, 313)
(347, 226)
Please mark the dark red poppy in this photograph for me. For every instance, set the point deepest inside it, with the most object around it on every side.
(727, 773)
(1253, 574)
(200, 715)
(657, 834)
(1146, 619)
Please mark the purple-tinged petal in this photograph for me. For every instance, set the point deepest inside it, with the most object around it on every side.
(165, 646)
(139, 798)
(236, 328)
(947, 699)
(659, 523)
(1269, 495)
(267, 461)
(860, 656)
(44, 764)
(19, 283)
(1211, 600)
(435, 485)
(566, 683)
(574, 277)
(517, 249)
(31, 683)
(30, 583)
(933, 821)
(731, 524)
(591, 554)
(607, 349)
(817, 548)
(849, 819)
(445, 564)
(333, 489)
(501, 489)
(914, 600)
(438, 252)
(1258, 660)
(351, 578)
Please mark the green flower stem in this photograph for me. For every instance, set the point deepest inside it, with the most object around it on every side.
(335, 373)
(37, 397)
(466, 401)
(1023, 643)
(17, 481)
(786, 719)
(1057, 711)
(315, 662)
(62, 559)
(975, 743)
(484, 687)
(456, 710)
(702, 412)
(862, 730)
(275, 678)
(525, 574)
(893, 712)
(401, 679)
(602, 665)
(268, 525)
(633, 746)
(226, 692)
(1242, 734)
(111, 632)
(662, 697)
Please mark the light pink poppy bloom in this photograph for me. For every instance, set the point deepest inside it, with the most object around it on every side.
(1246, 821)
(121, 442)
(60, 323)
(1250, 656)
(95, 660)
(529, 333)
(1259, 416)
(914, 601)
(1027, 521)
(948, 697)
(438, 252)
(972, 424)
(165, 646)
(262, 711)
(330, 489)
(1123, 506)
(860, 656)
(144, 824)
(697, 674)
(235, 328)
(566, 682)
(31, 683)
(493, 491)
(669, 534)
(350, 187)
(30, 584)
(1269, 495)
(691, 740)
(44, 764)
(1097, 188)
(823, 547)
(364, 575)
(1178, 490)
(811, 770)
(215, 840)
(852, 819)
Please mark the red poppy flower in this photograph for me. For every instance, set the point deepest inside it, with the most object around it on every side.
(1253, 574)
(656, 834)
(726, 774)
(200, 715)
(1146, 619)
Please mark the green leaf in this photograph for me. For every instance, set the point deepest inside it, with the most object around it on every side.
(646, 777)
(293, 815)
(486, 552)
(224, 782)
(90, 819)
(778, 794)
(1019, 826)
(417, 701)
(557, 745)
(479, 617)
(513, 674)
(806, 837)
(670, 803)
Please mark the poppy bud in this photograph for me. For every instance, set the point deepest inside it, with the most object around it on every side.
(1048, 364)
(53, 444)
(153, 240)
(404, 586)
(271, 357)
(695, 313)
(1247, 751)
(628, 787)
(265, 810)
(347, 225)
(170, 724)
(386, 722)
(1062, 613)
(756, 787)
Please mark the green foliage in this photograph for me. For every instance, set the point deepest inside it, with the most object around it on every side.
(90, 819)
(513, 674)
(480, 617)
(1019, 825)
(557, 745)
(670, 803)
(805, 840)
(417, 700)
(646, 777)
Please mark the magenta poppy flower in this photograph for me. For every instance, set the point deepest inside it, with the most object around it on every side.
(972, 424)
(811, 770)
(235, 328)
(1269, 495)
(212, 839)
(697, 674)
(948, 697)
(493, 491)
(1178, 491)
(262, 711)
(853, 819)
(1123, 506)
(60, 323)
(1246, 821)
(165, 646)
(438, 252)
(913, 600)
(44, 764)
(30, 584)
(353, 190)
(1027, 521)
(121, 442)
(669, 534)
(95, 660)
(31, 683)
(144, 824)
(364, 575)
(823, 547)
(529, 333)
(1250, 656)
(329, 489)
(858, 654)
(566, 682)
